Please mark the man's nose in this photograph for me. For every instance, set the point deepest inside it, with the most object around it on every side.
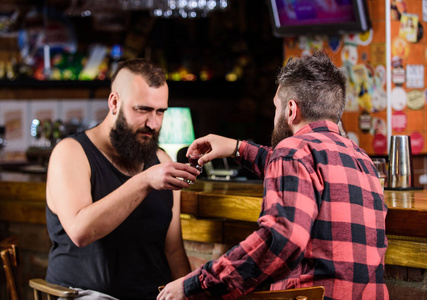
(153, 121)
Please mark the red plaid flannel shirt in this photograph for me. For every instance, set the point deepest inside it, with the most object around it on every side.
(322, 222)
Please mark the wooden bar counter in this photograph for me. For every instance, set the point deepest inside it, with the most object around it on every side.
(226, 212)
(406, 222)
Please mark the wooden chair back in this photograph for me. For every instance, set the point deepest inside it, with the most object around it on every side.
(9, 257)
(52, 291)
(310, 293)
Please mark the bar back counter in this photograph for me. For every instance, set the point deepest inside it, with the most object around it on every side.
(218, 212)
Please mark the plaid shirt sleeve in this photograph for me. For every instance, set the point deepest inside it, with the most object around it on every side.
(273, 251)
(254, 157)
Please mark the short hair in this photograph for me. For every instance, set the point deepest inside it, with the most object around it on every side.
(152, 73)
(316, 85)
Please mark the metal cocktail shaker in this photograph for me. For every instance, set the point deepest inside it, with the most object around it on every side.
(400, 168)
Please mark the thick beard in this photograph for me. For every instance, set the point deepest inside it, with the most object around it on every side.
(281, 131)
(133, 151)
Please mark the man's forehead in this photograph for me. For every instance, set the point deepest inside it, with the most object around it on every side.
(153, 98)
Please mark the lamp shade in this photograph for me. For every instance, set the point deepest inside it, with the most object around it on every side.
(177, 130)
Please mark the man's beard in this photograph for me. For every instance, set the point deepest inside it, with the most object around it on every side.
(131, 149)
(281, 131)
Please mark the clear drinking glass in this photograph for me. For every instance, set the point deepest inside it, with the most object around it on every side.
(381, 166)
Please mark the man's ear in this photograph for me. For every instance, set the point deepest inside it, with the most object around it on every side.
(113, 103)
(293, 112)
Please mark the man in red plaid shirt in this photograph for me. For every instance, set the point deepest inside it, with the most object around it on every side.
(323, 213)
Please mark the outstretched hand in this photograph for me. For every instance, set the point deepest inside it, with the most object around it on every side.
(213, 146)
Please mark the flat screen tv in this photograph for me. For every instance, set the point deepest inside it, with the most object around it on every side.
(318, 17)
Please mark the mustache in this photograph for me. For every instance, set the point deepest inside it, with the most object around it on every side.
(146, 130)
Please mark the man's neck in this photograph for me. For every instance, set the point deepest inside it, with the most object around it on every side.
(297, 127)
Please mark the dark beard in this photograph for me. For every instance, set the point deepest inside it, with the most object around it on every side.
(280, 132)
(132, 151)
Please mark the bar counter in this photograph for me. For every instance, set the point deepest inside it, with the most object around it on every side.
(226, 212)
(407, 210)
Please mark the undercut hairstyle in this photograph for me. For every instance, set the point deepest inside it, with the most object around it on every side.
(152, 73)
(316, 85)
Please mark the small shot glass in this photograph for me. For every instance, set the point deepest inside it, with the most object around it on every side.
(381, 166)
(193, 160)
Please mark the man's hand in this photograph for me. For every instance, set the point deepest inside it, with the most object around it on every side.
(170, 176)
(213, 146)
(173, 291)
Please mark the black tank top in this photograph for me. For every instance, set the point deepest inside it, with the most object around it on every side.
(129, 263)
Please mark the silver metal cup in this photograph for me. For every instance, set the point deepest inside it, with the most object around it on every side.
(400, 168)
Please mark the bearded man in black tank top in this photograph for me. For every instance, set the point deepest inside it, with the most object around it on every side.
(113, 197)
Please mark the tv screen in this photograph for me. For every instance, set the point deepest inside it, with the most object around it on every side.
(305, 17)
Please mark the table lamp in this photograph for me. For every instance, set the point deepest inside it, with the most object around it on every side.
(177, 130)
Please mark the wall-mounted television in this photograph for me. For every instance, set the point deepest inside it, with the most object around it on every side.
(313, 17)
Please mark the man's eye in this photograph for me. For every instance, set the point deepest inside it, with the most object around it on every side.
(140, 109)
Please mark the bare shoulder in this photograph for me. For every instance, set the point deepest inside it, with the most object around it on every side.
(68, 168)
(67, 146)
(68, 154)
(163, 156)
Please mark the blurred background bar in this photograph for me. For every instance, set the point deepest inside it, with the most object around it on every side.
(221, 58)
